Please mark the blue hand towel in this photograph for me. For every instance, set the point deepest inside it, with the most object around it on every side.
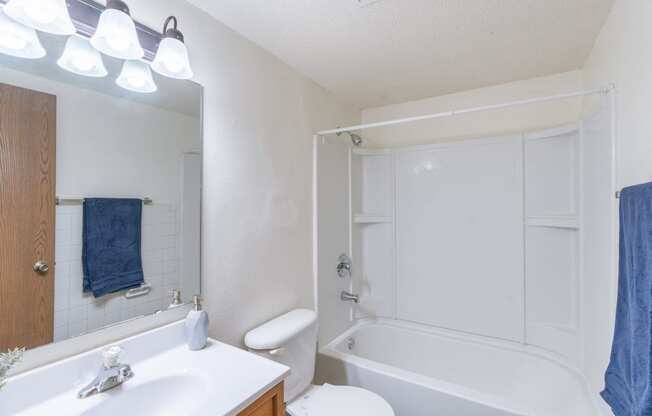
(628, 378)
(111, 245)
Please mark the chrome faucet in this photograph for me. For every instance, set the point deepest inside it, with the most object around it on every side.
(112, 373)
(344, 266)
(349, 297)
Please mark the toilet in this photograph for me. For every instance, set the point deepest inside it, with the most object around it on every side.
(291, 339)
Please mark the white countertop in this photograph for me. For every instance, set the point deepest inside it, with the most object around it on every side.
(169, 380)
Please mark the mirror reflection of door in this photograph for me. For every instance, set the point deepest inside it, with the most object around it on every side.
(27, 215)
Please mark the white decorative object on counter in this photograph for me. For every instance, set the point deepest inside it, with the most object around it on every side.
(7, 361)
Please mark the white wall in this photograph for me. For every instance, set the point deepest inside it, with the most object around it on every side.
(622, 55)
(482, 124)
(259, 117)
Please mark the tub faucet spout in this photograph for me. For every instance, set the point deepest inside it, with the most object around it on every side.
(349, 297)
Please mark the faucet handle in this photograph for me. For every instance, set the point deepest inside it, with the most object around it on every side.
(176, 298)
(111, 356)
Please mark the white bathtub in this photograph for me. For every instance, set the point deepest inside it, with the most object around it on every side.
(427, 372)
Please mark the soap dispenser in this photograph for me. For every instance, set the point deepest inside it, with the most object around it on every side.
(196, 326)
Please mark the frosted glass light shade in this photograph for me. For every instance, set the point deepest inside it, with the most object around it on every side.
(79, 57)
(172, 59)
(136, 76)
(49, 16)
(116, 36)
(19, 40)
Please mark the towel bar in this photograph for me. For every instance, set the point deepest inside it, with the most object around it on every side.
(144, 289)
(60, 200)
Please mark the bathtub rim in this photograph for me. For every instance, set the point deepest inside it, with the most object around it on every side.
(331, 350)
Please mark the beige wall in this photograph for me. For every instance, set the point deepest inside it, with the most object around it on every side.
(622, 55)
(481, 124)
(259, 117)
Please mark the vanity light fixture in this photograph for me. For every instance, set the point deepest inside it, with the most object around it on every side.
(136, 76)
(116, 33)
(79, 57)
(49, 16)
(19, 40)
(172, 56)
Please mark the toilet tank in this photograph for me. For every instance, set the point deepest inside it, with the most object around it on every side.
(290, 339)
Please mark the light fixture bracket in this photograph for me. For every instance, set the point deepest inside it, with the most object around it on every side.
(172, 32)
(118, 5)
(85, 15)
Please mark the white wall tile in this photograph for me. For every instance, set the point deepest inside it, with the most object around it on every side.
(61, 317)
(95, 312)
(63, 236)
(63, 219)
(61, 286)
(77, 328)
(113, 317)
(60, 333)
(170, 266)
(77, 312)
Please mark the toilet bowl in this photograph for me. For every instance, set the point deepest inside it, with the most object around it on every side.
(329, 400)
(291, 339)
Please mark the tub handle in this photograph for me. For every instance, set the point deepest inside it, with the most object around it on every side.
(344, 266)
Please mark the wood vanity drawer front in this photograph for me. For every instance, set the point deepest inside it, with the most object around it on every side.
(270, 404)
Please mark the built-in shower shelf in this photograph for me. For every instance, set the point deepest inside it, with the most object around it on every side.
(371, 219)
(569, 222)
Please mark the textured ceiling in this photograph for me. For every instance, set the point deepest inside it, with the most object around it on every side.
(392, 51)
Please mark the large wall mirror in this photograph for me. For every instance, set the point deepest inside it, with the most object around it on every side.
(100, 196)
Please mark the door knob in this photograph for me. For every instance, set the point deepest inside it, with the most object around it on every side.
(41, 267)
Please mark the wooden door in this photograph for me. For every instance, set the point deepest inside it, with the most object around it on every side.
(27, 213)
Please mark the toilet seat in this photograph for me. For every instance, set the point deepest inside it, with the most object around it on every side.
(329, 400)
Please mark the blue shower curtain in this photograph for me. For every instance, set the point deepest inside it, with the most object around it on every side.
(628, 378)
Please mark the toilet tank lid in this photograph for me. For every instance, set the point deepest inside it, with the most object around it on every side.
(277, 332)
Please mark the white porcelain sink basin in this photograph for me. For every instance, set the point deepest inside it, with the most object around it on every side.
(174, 395)
(168, 379)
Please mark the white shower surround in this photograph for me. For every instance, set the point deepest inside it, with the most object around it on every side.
(458, 236)
(480, 236)
(547, 331)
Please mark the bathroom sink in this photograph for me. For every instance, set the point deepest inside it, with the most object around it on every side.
(175, 395)
(169, 379)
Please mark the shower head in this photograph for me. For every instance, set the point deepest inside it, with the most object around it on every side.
(355, 139)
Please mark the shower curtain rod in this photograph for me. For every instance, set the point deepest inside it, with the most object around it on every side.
(605, 90)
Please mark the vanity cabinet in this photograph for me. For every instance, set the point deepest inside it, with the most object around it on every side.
(269, 404)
